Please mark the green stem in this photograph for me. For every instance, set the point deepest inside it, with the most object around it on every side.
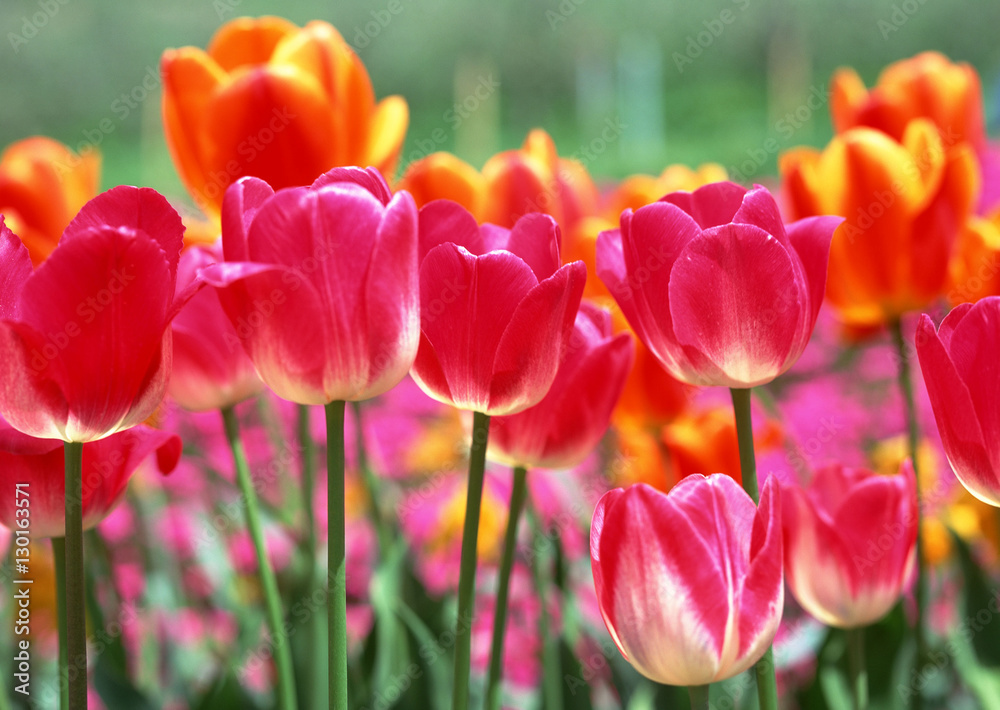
(767, 684)
(551, 672)
(517, 496)
(272, 598)
(59, 560)
(699, 697)
(913, 441)
(856, 661)
(336, 557)
(76, 615)
(308, 449)
(467, 573)
(371, 485)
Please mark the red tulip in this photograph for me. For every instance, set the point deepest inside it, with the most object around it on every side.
(960, 368)
(320, 284)
(211, 370)
(107, 466)
(85, 345)
(689, 582)
(496, 309)
(850, 543)
(715, 284)
(562, 429)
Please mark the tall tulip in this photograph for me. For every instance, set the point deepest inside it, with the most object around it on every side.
(320, 284)
(715, 284)
(267, 90)
(43, 184)
(497, 311)
(690, 582)
(210, 369)
(959, 365)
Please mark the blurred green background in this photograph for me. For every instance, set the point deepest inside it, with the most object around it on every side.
(662, 81)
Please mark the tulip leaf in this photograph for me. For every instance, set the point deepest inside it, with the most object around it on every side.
(979, 607)
(226, 694)
(115, 690)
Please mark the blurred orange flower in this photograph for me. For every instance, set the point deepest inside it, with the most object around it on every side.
(533, 178)
(276, 101)
(43, 184)
(975, 271)
(905, 204)
(928, 86)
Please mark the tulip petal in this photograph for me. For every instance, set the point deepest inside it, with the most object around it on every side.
(535, 238)
(810, 239)
(711, 205)
(239, 207)
(516, 187)
(444, 221)
(762, 598)
(368, 178)
(761, 210)
(387, 132)
(248, 40)
(527, 356)
(734, 297)
(16, 268)
(29, 399)
(443, 175)
(956, 416)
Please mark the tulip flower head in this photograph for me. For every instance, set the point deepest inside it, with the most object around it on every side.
(562, 429)
(850, 543)
(716, 285)
(85, 345)
(276, 101)
(320, 284)
(960, 369)
(496, 309)
(689, 582)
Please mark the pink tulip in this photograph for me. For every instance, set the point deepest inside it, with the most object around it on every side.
(562, 429)
(107, 466)
(714, 283)
(496, 309)
(211, 371)
(850, 543)
(689, 582)
(85, 346)
(320, 284)
(962, 373)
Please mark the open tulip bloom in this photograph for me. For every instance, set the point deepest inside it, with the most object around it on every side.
(689, 582)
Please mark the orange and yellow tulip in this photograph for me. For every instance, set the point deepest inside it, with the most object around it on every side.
(43, 184)
(276, 101)
(905, 202)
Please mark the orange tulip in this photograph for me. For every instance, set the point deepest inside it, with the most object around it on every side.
(513, 183)
(43, 184)
(905, 204)
(975, 271)
(275, 101)
(636, 191)
(925, 86)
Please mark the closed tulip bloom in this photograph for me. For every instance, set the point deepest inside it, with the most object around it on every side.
(689, 582)
(211, 370)
(716, 285)
(320, 284)
(275, 101)
(563, 429)
(850, 543)
(496, 309)
(905, 203)
(85, 346)
(927, 86)
(107, 466)
(959, 365)
(43, 184)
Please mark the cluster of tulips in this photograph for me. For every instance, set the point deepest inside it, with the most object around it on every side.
(523, 295)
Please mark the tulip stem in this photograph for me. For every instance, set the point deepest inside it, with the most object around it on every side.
(551, 674)
(767, 684)
(370, 482)
(59, 560)
(856, 661)
(467, 572)
(517, 496)
(913, 442)
(699, 697)
(272, 598)
(308, 452)
(336, 553)
(75, 597)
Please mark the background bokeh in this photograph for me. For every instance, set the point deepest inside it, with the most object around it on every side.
(624, 86)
